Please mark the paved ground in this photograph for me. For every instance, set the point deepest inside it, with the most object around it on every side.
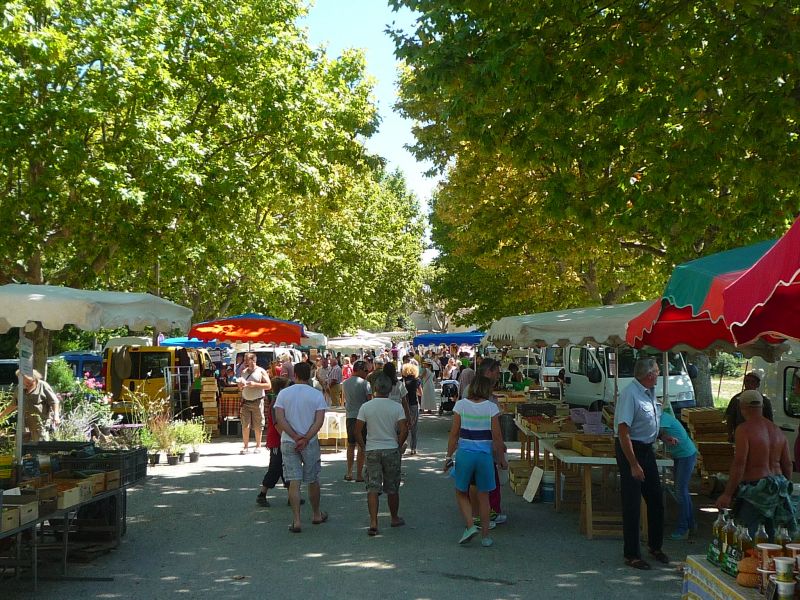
(195, 531)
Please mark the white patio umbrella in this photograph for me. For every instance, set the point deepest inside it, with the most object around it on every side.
(27, 306)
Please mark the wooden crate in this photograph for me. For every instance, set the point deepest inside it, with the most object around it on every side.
(68, 495)
(26, 504)
(9, 518)
(112, 480)
(701, 415)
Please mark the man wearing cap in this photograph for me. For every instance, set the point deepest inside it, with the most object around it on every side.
(759, 477)
(733, 415)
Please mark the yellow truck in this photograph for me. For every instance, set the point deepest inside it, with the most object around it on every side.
(156, 372)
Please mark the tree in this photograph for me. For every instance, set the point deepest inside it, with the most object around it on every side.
(179, 147)
(650, 128)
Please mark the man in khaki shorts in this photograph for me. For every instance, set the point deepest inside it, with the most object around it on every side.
(386, 421)
(253, 383)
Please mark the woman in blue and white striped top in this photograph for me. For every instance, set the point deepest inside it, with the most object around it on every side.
(476, 435)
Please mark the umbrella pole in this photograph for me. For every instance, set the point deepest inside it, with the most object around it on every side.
(667, 405)
(20, 405)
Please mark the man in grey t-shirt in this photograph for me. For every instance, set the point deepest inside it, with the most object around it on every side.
(356, 392)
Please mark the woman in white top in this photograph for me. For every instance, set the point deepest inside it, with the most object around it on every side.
(399, 392)
(428, 389)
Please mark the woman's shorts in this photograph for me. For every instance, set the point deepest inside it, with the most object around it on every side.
(474, 467)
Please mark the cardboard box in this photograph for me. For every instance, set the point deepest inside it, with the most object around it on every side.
(27, 504)
(112, 480)
(9, 518)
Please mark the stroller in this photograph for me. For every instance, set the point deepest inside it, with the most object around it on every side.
(449, 395)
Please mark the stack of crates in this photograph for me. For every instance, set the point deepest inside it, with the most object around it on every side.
(208, 396)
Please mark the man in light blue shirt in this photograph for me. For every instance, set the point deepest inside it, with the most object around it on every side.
(636, 427)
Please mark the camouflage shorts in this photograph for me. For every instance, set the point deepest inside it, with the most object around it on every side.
(383, 471)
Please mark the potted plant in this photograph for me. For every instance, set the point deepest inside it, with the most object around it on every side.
(198, 435)
(148, 441)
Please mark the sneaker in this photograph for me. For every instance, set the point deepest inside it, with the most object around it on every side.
(469, 533)
(261, 500)
(477, 522)
(487, 541)
(677, 535)
(500, 518)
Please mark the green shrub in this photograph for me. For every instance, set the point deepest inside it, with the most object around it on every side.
(61, 377)
(726, 365)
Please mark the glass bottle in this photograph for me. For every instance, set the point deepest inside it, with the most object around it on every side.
(761, 535)
(782, 538)
(728, 533)
(745, 542)
(716, 528)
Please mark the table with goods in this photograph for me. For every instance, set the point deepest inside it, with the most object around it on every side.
(552, 442)
(740, 565)
(62, 491)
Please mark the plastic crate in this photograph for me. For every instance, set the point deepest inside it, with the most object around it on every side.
(51, 447)
(131, 464)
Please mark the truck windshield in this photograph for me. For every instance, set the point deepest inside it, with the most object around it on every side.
(149, 365)
(553, 357)
(627, 357)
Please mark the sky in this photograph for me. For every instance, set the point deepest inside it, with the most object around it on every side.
(342, 24)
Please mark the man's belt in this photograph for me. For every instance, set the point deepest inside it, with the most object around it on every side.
(256, 400)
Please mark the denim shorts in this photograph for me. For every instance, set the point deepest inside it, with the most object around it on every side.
(305, 465)
(383, 471)
(474, 467)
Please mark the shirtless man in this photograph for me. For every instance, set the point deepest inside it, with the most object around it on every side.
(761, 461)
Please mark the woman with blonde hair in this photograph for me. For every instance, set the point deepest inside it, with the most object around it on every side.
(410, 374)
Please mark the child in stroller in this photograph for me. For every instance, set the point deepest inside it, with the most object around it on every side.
(449, 395)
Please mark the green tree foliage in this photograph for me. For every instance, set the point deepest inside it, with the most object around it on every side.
(648, 132)
(187, 148)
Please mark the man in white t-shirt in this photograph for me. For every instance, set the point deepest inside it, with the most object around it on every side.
(300, 413)
(386, 421)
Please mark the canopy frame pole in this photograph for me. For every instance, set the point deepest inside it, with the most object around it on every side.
(667, 405)
(20, 405)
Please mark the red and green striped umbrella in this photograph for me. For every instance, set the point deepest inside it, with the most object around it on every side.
(740, 299)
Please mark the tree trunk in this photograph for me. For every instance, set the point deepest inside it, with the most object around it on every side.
(703, 393)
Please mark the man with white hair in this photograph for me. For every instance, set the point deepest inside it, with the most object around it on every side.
(637, 426)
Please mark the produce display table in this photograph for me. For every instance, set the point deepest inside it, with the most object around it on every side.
(591, 523)
(529, 444)
(66, 516)
(704, 581)
(334, 427)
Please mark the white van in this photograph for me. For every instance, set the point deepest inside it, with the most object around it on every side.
(551, 361)
(589, 385)
(267, 353)
(781, 384)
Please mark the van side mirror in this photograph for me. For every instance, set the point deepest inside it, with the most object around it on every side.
(692, 371)
(594, 375)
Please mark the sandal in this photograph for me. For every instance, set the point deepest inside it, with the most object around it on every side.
(638, 563)
(348, 478)
(660, 556)
(372, 531)
(322, 519)
(294, 529)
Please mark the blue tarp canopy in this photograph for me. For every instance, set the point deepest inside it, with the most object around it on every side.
(185, 342)
(472, 338)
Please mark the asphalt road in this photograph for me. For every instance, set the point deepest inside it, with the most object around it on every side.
(195, 531)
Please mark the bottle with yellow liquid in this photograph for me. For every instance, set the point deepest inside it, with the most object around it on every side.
(761, 535)
(730, 543)
(746, 543)
(782, 538)
(715, 546)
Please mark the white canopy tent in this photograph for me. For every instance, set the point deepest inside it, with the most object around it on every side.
(597, 325)
(314, 339)
(355, 344)
(28, 306)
